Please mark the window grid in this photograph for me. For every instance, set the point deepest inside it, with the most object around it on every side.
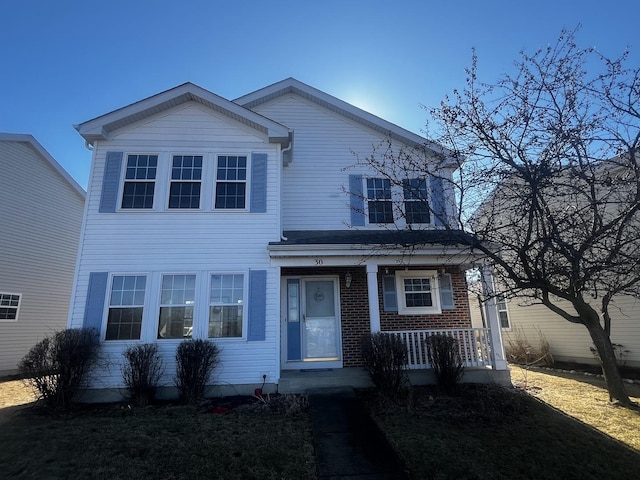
(231, 181)
(177, 301)
(9, 304)
(379, 202)
(186, 176)
(126, 305)
(417, 292)
(503, 313)
(226, 298)
(415, 200)
(139, 184)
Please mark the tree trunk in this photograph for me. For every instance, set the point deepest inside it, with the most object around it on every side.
(602, 342)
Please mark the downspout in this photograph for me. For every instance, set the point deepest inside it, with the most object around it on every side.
(282, 152)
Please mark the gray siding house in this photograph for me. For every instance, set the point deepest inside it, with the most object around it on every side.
(41, 218)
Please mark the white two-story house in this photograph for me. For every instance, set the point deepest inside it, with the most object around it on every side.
(251, 224)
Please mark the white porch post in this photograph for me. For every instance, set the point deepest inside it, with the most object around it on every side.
(498, 359)
(374, 304)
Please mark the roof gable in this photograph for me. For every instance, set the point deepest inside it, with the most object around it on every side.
(291, 85)
(30, 140)
(100, 127)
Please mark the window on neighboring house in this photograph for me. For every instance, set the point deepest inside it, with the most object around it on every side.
(226, 300)
(9, 306)
(186, 176)
(379, 203)
(126, 305)
(139, 181)
(417, 292)
(177, 300)
(415, 200)
(231, 181)
(503, 313)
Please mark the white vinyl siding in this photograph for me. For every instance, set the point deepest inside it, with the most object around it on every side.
(186, 241)
(38, 240)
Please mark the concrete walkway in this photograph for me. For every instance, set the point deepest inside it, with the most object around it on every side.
(349, 446)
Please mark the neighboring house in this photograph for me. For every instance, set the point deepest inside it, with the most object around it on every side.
(41, 216)
(242, 222)
(569, 342)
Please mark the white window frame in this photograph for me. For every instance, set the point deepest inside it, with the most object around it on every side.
(125, 180)
(201, 181)
(109, 306)
(5, 297)
(432, 276)
(244, 304)
(246, 181)
(367, 200)
(193, 305)
(501, 307)
(418, 201)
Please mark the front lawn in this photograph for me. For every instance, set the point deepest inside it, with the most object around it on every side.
(486, 432)
(164, 442)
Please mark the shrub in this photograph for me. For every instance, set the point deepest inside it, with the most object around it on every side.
(519, 350)
(444, 357)
(196, 360)
(142, 371)
(56, 367)
(385, 359)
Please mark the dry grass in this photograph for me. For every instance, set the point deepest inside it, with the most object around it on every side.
(584, 398)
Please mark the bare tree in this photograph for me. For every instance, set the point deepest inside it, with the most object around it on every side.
(547, 166)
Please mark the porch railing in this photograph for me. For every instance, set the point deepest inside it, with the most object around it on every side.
(474, 345)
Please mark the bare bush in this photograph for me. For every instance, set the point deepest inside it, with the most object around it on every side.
(445, 360)
(196, 361)
(142, 371)
(385, 359)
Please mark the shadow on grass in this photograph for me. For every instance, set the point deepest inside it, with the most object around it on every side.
(501, 434)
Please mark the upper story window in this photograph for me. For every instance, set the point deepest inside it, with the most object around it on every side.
(226, 305)
(186, 176)
(139, 181)
(177, 300)
(9, 306)
(379, 204)
(416, 197)
(126, 305)
(231, 181)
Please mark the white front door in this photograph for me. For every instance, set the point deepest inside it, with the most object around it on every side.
(320, 334)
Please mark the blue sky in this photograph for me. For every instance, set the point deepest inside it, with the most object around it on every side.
(67, 61)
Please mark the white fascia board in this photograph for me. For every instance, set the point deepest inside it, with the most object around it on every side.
(99, 128)
(369, 251)
(333, 259)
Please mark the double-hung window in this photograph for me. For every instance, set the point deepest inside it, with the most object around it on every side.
(231, 182)
(186, 176)
(503, 313)
(9, 306)
(415, 200)
(417, 292)
(177, 301)
(379, 204)
(226, 301)
(126, 305)
(139, 181)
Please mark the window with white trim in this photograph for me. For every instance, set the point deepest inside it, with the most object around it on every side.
(231, 182)
(503, 312)
(9, 306)
(126, 305)
(379, 203)
(417, 292)
(177, 301)
(416, 198)
(226, 305)
(186, 176)
(139, 181)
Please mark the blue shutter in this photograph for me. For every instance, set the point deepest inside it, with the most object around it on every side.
(258, 183)
(96, 295)
(438, 204)
(356, 201)
(389, 294)
(257, 305)
(110, 182)
(446, 292)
